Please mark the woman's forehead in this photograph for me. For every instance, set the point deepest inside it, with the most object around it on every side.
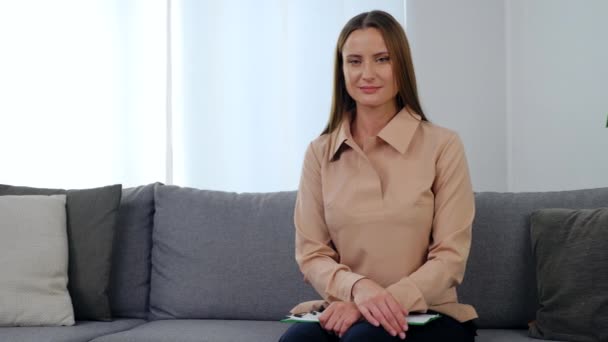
(368, 41)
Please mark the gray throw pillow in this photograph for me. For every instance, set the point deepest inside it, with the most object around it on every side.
(569, 248)
(91, 219)
(34, 262)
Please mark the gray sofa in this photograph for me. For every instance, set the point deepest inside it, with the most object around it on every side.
(196, 265)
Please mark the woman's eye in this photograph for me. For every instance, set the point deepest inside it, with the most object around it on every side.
(383, 59)
(354, 62)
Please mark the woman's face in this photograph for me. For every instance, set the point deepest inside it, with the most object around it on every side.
(367, 69)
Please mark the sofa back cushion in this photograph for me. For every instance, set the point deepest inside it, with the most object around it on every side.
(224, 255)
(130, 277)
(91, 224)
(500, 277)
(34, 261)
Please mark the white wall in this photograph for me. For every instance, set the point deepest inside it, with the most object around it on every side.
(459, 56)
(82, 92)
(524, 82)
(351, 8)
(232, 134)
(558, 55)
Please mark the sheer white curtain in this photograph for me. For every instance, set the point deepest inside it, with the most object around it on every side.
(252, 87)
(88, 95)
(82, 92)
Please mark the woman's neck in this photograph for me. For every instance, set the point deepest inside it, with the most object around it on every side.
(369, 121)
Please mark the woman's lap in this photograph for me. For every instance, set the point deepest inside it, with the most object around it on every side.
(442, 329)
(300, 332)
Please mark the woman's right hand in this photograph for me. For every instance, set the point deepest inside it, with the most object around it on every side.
(379, 307)
(339, 317)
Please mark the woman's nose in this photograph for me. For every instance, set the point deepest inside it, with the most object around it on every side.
(368, 71)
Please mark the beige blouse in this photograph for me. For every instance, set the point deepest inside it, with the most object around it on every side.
(397, 211)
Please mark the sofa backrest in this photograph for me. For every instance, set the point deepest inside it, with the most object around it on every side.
(500, 280)
(224, 255)
(188, 253)
(130, 274)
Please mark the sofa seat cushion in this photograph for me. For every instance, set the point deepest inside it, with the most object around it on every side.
(82, 331)
(181, 330)
(504, 335)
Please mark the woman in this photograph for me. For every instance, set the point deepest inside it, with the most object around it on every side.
(385, 204)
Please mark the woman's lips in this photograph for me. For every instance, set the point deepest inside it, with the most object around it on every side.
(369, 90)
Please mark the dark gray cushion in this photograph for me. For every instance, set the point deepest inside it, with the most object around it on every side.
(92, 215)
(81, 332)
(224, 255)
(571, 252)
(500, 277)
(200, 331)
(130, 280)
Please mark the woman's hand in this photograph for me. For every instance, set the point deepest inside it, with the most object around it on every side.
(339, 316)
(379, 307)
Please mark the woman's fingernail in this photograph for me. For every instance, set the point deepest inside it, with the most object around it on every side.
(393, 333)
(402, 336)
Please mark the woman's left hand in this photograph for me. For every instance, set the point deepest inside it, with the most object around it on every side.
(339, 316)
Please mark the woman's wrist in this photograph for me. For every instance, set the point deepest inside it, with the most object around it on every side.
(357, 286)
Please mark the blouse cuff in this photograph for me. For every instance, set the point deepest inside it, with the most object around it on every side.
(342, 288)
(408, 295)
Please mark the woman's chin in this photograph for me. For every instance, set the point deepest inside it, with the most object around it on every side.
(372, 103)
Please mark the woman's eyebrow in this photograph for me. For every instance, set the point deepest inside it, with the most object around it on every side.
(374, 55)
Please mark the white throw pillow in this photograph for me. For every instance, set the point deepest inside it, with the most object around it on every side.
(34, 262)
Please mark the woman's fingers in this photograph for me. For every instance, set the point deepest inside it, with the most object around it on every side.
(331, 321)
(325, 316)
(339, 317)
(391, 320)
(398, 316)
(379, 314)
(379, 307)
(336, 328)
(397, 312)
(346, 324)
(340, 328)
(368, 316)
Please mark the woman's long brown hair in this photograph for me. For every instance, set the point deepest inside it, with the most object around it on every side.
(401, 62)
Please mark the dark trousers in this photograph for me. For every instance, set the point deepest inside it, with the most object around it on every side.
(441, 329)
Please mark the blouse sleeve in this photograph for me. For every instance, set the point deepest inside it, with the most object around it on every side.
(450, 236)
(315, 253)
